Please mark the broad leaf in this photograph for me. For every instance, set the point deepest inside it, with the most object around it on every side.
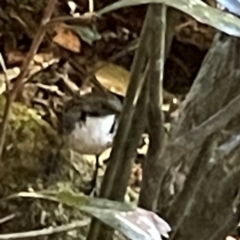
(203, 13)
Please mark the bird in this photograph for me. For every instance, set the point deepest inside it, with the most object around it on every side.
(89, 124)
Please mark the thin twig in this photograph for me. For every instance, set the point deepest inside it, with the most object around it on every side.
(46, 231)
(19, 81)
(7, 218)
(87, 19)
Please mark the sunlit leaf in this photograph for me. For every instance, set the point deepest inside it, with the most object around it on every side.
(113, 77)
(138, 224)
(146, 223)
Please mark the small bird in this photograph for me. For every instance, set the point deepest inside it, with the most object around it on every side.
(90, 123)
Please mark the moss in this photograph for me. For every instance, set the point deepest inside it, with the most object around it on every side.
(32, 160)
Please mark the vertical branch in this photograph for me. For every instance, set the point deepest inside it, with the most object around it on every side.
(19, 81)
(173, 18)
(131, 145)
(150, 183)
(161, 26)
(127, 138)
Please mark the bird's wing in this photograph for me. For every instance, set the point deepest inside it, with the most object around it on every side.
(100, 106)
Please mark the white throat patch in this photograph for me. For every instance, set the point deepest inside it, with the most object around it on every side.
(93, 136)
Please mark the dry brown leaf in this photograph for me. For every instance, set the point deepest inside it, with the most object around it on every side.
(67, 39)
(113, 77)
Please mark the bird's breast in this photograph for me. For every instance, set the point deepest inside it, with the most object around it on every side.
(92, 136)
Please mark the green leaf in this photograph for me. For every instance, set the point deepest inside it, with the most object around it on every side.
(81, 201)
(87, 34)
(72, 200)
(203, 13)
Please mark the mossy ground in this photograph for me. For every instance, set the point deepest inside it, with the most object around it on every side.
(34, 159)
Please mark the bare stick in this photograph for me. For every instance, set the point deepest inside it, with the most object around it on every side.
(149, 194)
(114, 173)
(7, 218)
(19, 81)
(46, 231)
